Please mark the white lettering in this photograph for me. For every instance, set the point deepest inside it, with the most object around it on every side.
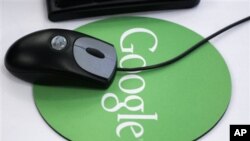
(132, 57)
(132, 126)
(237, 132)
(137, 30)
(129, 77)
(132, 97)
(137, 117)
(119, 105)
(115, 108)
(243, 131)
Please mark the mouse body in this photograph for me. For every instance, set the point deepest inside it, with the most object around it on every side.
(62, 57)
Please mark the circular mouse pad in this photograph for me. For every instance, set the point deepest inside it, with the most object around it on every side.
(182, 101)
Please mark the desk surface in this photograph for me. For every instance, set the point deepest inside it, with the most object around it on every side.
(19, 116)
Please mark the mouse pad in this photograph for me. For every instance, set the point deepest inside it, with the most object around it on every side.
(179, 102)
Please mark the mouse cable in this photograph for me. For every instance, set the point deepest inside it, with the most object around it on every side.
(188, 51)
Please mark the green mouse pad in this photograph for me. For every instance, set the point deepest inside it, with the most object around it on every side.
(180, 102)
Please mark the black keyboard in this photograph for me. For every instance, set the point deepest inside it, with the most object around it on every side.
(59, 10)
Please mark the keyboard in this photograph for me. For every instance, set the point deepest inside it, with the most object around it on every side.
(59, 10)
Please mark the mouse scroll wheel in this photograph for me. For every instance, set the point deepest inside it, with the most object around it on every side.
(95, 52)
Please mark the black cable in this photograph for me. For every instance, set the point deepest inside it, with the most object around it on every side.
(188, 51)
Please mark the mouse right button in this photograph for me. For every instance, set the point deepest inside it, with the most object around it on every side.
(95, 56)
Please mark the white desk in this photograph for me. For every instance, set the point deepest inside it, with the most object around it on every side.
(20, 119)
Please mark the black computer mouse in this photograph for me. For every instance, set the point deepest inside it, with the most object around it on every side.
(58, 57)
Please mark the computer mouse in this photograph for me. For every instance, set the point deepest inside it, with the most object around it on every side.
(58, 57)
